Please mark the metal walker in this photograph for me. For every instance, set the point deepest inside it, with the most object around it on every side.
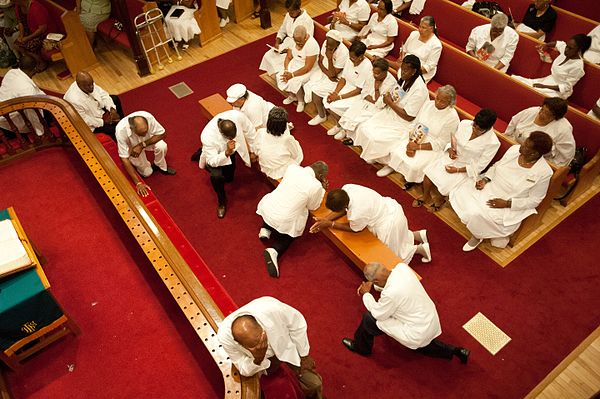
(151, 27)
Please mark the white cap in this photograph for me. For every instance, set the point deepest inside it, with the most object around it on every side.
(335, 35)
(235, 92)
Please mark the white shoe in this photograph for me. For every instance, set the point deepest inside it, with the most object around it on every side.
(264, 234)
(471, 244)
(223, 22)
(289, 100)
(423, 234)
(317, 120)
(427, 257)
(290, 126)
(300, 107)
(185, 46)
(341, 135)
(334, 130)
(271, 259)
(386, 170)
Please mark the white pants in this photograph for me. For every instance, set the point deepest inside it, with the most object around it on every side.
(142, 164)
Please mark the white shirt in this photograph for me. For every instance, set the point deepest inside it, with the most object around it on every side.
(593, 53)
(16, 84)
(379, 32)
(567, 75)
(415, 7)
(276, 153)
(214, 144)
(356, 76)
(310, 48)
(428, 52)
(504, 45)
(286, 334)
(257, 109)
(359, 11)
(404, 311)
(91, 106)
(286, 208)
(340, 56)
(126, 139)
(290, 24)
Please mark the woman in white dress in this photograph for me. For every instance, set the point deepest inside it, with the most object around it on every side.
(494, 43)
(567, 68)
(273, 59)
(425, 44)
(593, 53)
(381, 31)
(379, 84)
(549, 118)
(276, 148)
(184, 27)
(388, 127)
(471, 149)
(428, 137)
(350, 17)
(510, 190)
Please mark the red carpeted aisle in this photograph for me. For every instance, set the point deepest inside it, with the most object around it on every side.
(134, 342)
(546, 300)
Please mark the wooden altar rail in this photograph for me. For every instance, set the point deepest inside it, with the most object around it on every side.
(200, 309)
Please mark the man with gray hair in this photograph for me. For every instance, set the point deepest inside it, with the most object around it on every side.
(494, 43)
(285, 209)
(404, 311)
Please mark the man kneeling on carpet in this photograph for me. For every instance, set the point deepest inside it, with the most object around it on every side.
(137, 133)
(262, 334)
(285, 209)
(404, 311)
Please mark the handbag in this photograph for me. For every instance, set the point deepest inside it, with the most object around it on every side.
(575, 168)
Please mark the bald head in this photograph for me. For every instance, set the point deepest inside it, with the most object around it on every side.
(227, 128)
(138, 125)
(246, 331)
(376, 273)
(85, 82)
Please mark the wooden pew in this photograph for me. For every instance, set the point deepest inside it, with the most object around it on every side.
(361, 248)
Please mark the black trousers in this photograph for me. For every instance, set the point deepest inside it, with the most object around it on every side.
(281, 242)
(368, 330)
(219, 176)
(109, 128)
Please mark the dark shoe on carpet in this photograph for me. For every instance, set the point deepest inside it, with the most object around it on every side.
(408, 186)
(271, 260)
(418, 203)
(196, 156)
(221, 211)
(436, 207)
(168, 171)
(348, 141)
(349, 344)
(462, 354)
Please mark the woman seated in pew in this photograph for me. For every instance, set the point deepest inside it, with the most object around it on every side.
(567, 68)
(548, 118)
(181, 21)
(91, 13)
(350, 17)
(381, 31)
(472, 147)
(426, 139)
(494, 43)
(399, 6)
(593, 53)
(495, 205)
(425, 44)
(380, 133)
(273, 59)
(347, 89)
(539, 19)
(276, 148)
(34, 24)
(379, 84)
(334, 55)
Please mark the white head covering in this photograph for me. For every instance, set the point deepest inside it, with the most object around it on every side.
(235, 92)
(335, 35)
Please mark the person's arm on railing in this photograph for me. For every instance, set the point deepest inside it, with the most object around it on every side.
(141, 187)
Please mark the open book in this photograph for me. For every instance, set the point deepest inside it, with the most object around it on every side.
(13, 256)
(280, 51)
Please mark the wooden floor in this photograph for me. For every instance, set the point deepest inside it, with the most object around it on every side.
(578, 376)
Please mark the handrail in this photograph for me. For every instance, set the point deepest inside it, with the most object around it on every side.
(194, 300)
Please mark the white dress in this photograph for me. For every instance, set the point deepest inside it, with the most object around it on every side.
(355, 77)
(428, 52)
(441, 124)
(224, 4)
(474, 155)
(362, 110)
(257, 109)
(504, 45)
(416, 6)
(310, 48)
(276, 153)
(320, 83)
(381, 133)
(593, 53)
(564, 76)
(272, 61)
(185, 27)
(561, 131)
(382, 216)
(379, 31)
(15, 84)
(525, 187)
(359, 11)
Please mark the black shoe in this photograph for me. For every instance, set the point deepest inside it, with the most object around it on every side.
(196, 156)
(270, 256)
(221, 211)
(408, 185)
(348, 141)
(169, 171)
(462, 354)
(349, 344)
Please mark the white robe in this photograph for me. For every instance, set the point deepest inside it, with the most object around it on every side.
(593, 53)
(355, 77)
(358, 12)
(286, 334)
(361, 110)
(441, 124)
(591, 112)
(319, 83)
(474, 155)
(429, 52)
(16, 84)
(382, 216)
(256, 109)
(415, 7)
(276, 153)
(525, 187)
(379, 31)
(404, 311)
(185, 27)
(504, 45)
(286, 208)
(91, 107)
(310, 48)
(272, 61)
(214, 144)
(561, 131)
(378, 135)
(564, 76)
